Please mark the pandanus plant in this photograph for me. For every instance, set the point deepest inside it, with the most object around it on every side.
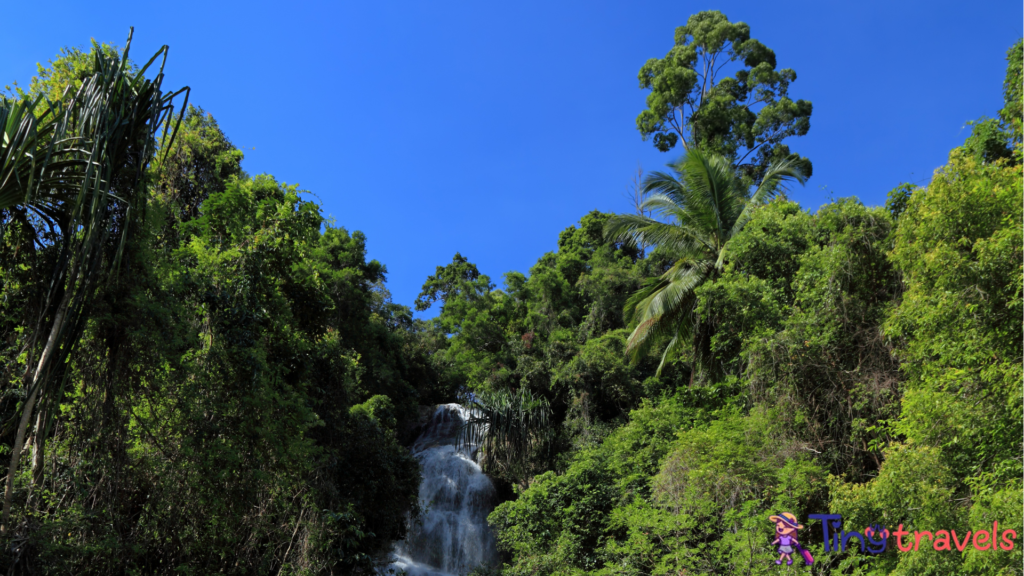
(508, 426)
(78, 165)
(695, 213)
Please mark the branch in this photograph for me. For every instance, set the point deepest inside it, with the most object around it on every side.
(744, 157)
(715, 72)
(677, 125)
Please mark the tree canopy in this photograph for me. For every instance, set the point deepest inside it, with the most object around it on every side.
(744, 117)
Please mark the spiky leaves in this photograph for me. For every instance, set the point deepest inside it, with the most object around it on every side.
(80, 165)
(695, 212)
(26, 147)
(509, 426)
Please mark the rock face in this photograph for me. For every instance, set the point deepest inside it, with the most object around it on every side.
(411, 429)
(452, 536)
(423, 415)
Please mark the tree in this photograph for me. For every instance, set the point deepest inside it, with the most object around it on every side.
(81, 168)
(705, 204)
(994, 139)
(959, 321)
(201, 163)
(954, 458)
(508, 426)
(461, 276)
(459, 281)
(1012, 112)
(744, 118)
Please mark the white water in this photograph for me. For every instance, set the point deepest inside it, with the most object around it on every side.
(452, 536)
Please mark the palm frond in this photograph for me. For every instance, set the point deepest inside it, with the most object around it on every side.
(665, 308)
(507, 425)
(28, 143)
(82, 163)
(686, 205)
(681, 282)
(700, 209)
(678, 323)
(713, 179)
(699, 223)
(673, 350)
(643, 230)
(786, 170)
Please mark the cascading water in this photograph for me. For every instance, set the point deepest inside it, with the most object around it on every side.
(452, 536)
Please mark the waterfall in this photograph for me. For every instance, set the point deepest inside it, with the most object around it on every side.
(452, 536)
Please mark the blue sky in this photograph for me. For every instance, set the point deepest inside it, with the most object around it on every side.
(488, 128)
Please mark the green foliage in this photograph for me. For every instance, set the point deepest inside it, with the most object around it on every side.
(458, 279)
(994, 139)
(913, 488)
(558, 523)
(959, 322)
(695, 215)
(65, 75)
(601, 372)
(896, 200)
(988, 140)
(201, 163)
(234, 401)
(556, 335)
(79, 167)
(799, 311)
(222, 380)
(508, 426)
(379, 409)
(745, 117)
(869, 365)
(1013, 110)
(642, 503)
(957, 329)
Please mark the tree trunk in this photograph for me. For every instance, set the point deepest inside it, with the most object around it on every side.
(38, 448)
(19, 443)
(36, 387)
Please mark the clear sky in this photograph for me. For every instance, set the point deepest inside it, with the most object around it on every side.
(487, 128)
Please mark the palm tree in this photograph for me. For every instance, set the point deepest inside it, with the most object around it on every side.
(697, 211)
(79, 166)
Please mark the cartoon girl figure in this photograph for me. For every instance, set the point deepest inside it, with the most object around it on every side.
(785, 536)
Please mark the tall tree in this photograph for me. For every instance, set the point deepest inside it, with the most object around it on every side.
(745, 117)
(459, 280)
(81, 168)
(697, 211)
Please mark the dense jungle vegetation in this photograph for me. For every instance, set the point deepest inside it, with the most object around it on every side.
(202, 374)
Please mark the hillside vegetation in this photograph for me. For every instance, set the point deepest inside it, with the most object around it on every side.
(239, 391)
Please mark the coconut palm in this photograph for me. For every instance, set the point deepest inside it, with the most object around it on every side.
(696, 212)
(79, 166)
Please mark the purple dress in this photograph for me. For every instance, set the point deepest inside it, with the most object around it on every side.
(786, 544)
